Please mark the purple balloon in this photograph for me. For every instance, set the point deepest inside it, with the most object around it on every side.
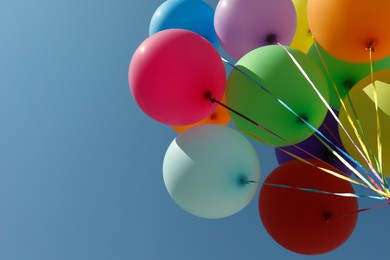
(244, 25)
(312, 145)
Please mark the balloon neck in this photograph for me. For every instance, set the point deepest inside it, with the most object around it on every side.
(243, 180)
(370, 46)
(271, 38)
(213, 116)
(208, 95)
(348, 83)
(302, 119)
(328, 216)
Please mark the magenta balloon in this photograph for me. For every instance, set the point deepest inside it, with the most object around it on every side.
(244, 25)
(171, 71)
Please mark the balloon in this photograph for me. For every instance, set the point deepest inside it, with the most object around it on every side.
(243, 25)
(211, 171)
(344, 74)
(170, 73)
(347, 28)
(313, 146)
(196, 16)
(271, 67)
(307, 222)
(303, 38)
(219, 116)
(362, 97)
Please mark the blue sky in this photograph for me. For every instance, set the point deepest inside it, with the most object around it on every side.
(81, 165)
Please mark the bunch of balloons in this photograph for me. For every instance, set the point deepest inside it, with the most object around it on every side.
(311, 79)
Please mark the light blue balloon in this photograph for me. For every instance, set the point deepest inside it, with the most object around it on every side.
(192, 15)
(211, 171)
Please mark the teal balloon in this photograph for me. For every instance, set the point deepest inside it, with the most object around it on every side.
(193, 15)
(273, 69)
(211, 171)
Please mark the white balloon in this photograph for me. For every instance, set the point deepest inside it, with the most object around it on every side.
(211, 171)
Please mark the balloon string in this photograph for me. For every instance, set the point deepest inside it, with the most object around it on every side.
(308, 162)
(336, 174)
(377, 189)
(340, 194)
(382, 179)
(309, 125)
(378, 125)
(332, 134)
(346, 163)
(212, 99)
(315, 130)
(363, 136)
(319, 95)
(249, 181)
(332, 217)
(333, 114)
(349, 118)
(362, 210)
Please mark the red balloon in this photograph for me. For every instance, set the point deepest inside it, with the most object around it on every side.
(171, 71)
(307, 222)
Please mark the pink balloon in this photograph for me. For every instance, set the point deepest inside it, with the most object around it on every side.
(244, 25)
(171, 71)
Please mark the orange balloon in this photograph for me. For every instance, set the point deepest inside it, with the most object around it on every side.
(219, 116)
(346, 28)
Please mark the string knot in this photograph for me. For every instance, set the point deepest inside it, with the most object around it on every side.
(328, 217)
(208, 95)
(302, 118)
(271, 38)
(370, 46)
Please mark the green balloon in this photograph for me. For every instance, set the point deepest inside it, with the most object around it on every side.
(344, 74)
(273, 68)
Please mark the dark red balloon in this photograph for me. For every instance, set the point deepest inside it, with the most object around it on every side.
(307, 222)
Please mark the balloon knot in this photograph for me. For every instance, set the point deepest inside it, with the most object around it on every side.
(271, 38)
(208, 95)
(243, 180)
(213, 116)
(328, 217)
(302, 119)
(370, 46)
(348, 83)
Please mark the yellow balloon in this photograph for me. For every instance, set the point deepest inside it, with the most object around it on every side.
(303, 39)
(362, 97)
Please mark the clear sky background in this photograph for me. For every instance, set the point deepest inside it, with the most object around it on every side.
(81, 165)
